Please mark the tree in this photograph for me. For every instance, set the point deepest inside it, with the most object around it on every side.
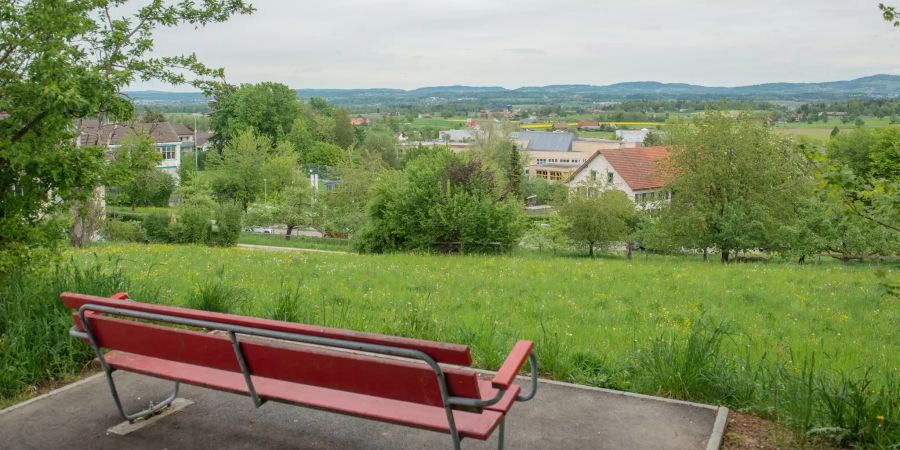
(300, 136)
(66, 60)
(862, 170)
(132, 169)
(343, 130)
(268, 108)
(291, 207)
(440, 201)
(323, 153)
(653, 139)
(890, 14)
(345, 206)
(835, 131)
(596, 217)
(238, 173)
(734, 183)
(380, 142)
(152, 116)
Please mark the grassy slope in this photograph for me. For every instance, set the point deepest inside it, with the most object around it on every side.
(579, 309)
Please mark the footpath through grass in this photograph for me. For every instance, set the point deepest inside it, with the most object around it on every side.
(275, 240)
(814, 347)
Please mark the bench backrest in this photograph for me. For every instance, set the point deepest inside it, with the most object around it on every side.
(341, 370)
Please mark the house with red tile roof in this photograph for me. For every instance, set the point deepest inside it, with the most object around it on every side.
(635, 171)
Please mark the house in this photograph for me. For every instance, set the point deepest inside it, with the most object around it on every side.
(360, 121)
(162, 134)
(184, 133)
(632, 135)
(203, 140)
(634, 171)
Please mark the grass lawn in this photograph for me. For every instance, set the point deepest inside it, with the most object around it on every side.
(295, 241)
(581, 311)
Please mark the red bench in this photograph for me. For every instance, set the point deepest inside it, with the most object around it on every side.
(398, 380)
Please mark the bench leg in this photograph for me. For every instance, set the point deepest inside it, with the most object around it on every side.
(151, 410)
(500, 435)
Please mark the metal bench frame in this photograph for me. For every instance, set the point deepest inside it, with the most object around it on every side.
(233, 330)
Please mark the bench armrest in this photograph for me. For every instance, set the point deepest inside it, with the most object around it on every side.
(512, 365)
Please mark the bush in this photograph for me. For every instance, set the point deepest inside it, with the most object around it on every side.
(156, 225)
(441, 202)
(227, 227)
(115, 230)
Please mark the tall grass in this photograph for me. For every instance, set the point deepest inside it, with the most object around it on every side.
(34, 343)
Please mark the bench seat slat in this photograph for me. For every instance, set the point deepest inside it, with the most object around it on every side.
(470, 424)
(296, 363)
(441, 352)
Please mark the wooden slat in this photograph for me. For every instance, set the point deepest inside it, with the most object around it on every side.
(512, 365)
(441, 352)
(470, 424)
(509, 397)
(384, 377)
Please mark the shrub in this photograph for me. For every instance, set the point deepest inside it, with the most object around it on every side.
(227, 227)
(441, 202)
(156, 225)
(115, 230)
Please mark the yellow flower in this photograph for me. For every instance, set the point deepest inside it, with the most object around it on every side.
(880, 418)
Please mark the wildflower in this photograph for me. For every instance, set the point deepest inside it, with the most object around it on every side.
(880, 418)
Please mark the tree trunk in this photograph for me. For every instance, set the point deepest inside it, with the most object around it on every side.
(133, 204)
(287, 235)
(705, 254)
(591, 249)
(802, 259)
(628, 247)
(725, 254)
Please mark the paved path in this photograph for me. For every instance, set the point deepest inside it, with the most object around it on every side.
(289, 249)
(561, 416)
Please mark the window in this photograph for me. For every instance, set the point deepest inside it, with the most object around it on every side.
(555, 176)
(541, 161)
(610, 177)
(168, 151)
(593, 174)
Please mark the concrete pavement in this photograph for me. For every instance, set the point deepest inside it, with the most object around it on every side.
(561, 416)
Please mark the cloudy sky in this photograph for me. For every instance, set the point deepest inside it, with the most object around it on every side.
(409, 44)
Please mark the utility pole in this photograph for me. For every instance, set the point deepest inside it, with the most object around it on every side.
(196, 161)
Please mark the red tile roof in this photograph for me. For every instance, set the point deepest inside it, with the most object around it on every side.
(639, 167)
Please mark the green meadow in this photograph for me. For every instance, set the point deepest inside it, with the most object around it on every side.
(588, 309)
(813, 347)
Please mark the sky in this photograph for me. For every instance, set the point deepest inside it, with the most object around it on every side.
(410, 44)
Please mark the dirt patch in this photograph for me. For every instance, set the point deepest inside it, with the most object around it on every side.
(749, 432)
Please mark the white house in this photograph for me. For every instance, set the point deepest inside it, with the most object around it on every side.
(634, 171)
(163, 134)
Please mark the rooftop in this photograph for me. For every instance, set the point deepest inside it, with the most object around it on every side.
(547, 141)
(92, 133)
(638, 167)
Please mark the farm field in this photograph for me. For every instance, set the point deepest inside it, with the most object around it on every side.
(581, 311)
(821, 131)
